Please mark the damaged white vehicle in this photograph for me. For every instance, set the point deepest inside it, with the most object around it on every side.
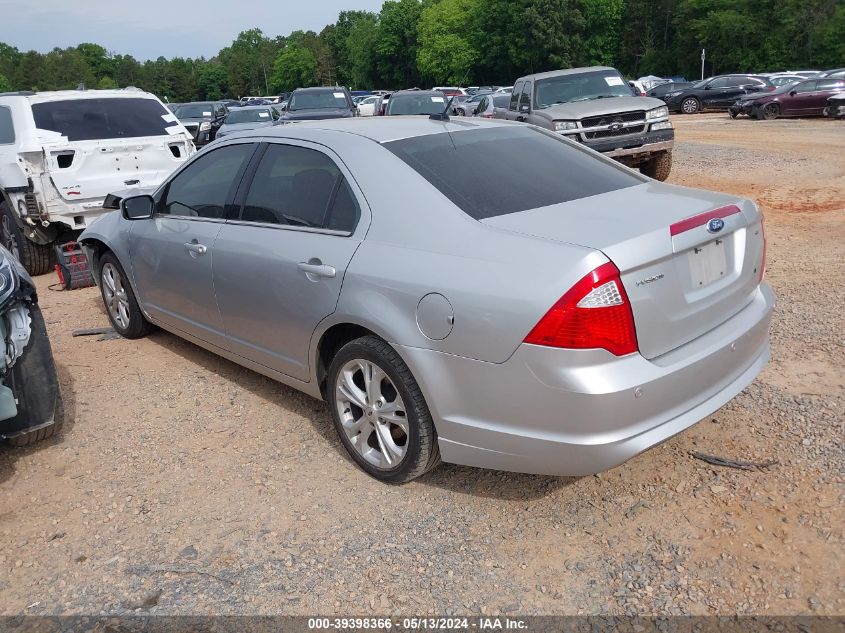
(62, 152)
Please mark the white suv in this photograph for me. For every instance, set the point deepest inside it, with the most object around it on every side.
(62, 152)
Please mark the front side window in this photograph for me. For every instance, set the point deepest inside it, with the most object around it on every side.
(298, 186)
(203, 187)
(488, 172)
(7, 130)
(94, 119)
(806, 86)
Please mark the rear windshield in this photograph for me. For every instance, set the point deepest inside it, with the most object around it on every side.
(416, 103)
(495, 171)
(318, 100)
(92, 119)
(248, 116)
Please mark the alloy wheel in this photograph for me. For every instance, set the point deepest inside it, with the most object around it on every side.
(117, 301)
(690, 106)
(372, 413)
(7, 235)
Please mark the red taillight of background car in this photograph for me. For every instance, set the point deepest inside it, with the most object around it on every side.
(487, 116)
(594, 314)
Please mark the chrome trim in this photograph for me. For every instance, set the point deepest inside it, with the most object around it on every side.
(290, 227)
(610, 126)
(194, 218)
(642, 149)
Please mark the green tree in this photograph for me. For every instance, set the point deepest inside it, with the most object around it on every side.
(447, 41)
(396, 47)
(106, 83)
(360, 48)
(249, 61)
(295, 67)
(212, 82)
(5, 84)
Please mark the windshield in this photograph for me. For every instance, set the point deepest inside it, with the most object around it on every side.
(194, 111)
(317, 100)
(416, 104)
(92, 119)
(599, 84)
(248, 116)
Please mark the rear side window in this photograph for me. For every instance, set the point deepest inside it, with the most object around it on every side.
(489, 172)
(7, 131)
(298, 186)
(93, 119)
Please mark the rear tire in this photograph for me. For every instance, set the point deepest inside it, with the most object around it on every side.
(659, 166)
(35, 258)
(386, 428)
(36, 435)
(119, 299)
(460, 112)
(690, 105)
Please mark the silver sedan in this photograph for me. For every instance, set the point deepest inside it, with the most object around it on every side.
(489, 294)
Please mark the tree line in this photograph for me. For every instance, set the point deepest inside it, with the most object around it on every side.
(466, 42)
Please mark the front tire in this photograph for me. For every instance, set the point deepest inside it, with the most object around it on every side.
(119, 298)
(659, 166)
(34, 257)
(770, 111)
(379, 412)
(690, 105)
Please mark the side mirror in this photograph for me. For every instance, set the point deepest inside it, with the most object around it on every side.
(707, 87)
(524, 108)
(138, 207)
(792, 93)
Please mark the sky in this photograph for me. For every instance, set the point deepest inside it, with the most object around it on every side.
(147, 29)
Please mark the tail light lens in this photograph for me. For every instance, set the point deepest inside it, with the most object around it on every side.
(594, 314)
(487, 116)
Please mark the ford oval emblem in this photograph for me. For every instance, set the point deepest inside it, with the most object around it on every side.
(715, 225)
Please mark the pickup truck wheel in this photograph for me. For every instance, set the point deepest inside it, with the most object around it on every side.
(34, 257)
(119, 299)
(460, 112)
(659, 166)
(690, 105)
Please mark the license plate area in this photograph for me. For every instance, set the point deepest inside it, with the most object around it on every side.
(707, 263)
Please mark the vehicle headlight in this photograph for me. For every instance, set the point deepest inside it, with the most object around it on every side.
(205, 126)
(657, 113)
(560, 126)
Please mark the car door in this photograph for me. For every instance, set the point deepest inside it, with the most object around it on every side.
(825, 89)
(800, 99)
(172, 253)
(713, 94)
(279, 266)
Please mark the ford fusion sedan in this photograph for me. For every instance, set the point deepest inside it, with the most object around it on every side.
(463, 301)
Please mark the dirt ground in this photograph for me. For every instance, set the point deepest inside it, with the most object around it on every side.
(184, 484)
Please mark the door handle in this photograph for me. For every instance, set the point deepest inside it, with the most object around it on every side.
(315, 268)
(195, 248)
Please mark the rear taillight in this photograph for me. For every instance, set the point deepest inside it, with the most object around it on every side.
(762, 270)
(487, 116)
(594, 314)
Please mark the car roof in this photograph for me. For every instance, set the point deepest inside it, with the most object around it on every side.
(65, 95)
(378, 129)
(266, 106)
(320, 89)
(424, 93)
(561, 73)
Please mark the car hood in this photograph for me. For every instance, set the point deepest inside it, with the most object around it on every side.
(317, 114)
(599, 107)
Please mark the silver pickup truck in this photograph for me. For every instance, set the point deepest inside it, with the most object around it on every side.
(596, 107)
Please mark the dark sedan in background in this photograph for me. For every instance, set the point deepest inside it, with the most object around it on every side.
(319, 103)
(806, 98)
(719, 92)
(202, 119)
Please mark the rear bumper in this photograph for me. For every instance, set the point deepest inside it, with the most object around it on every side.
(578, 412)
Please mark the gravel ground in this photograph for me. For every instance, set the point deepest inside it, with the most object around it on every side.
(184, 484)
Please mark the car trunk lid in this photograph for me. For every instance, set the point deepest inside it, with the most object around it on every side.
(682, 277)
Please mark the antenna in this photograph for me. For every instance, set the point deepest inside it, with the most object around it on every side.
(443, 116)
